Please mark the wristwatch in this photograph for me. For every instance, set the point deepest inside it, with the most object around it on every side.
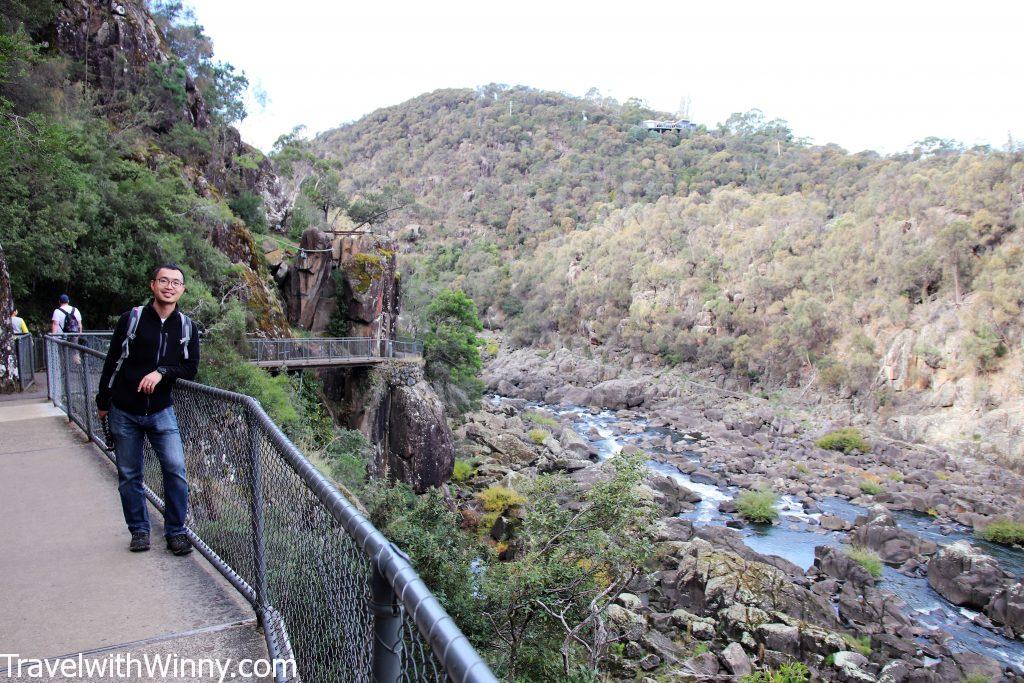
(162, 371)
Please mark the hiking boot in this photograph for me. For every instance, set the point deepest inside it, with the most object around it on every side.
(179, 544)
(140, 542)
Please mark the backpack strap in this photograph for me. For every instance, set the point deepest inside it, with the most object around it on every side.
(186, 333)
(133, 325)
(64, 324)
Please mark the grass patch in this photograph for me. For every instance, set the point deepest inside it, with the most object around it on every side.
(871, 488)
(540, 419)
(463, 471)
(1004, 531)
(942, 476)
(895, 476)
(538, 435)
(792, 672)
(977, 678)
(846, 440)
(868, 559)
(496, 500)
(861, 644)
(758, 506)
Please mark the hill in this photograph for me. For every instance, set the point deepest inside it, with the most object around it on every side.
(742, 252)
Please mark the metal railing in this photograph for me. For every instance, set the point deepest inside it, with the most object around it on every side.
(329, 589)
(315, 349)
(25, 353)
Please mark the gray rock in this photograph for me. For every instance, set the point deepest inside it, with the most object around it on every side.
(833, 523)
(735, 660)
(878, 530)
(703, 665)
(837, 564)
(965, 576)
(1007, 608)
(780, 637)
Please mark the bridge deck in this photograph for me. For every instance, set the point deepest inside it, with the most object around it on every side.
(327, 362)
(69, 583)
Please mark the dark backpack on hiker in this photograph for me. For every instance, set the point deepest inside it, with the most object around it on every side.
(71, 323)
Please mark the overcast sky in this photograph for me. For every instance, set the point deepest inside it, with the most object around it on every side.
(865, 74)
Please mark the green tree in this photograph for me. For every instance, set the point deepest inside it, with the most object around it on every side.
(451, 347)
(571, 561)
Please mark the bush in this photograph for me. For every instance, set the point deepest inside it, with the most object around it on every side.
(538, 435)
(1004, 531)
(758, 506)
(861, 644)
(872, 488)
(868, 559)
(793, 672)
(846, 440)
(463, 471)
(538, 418)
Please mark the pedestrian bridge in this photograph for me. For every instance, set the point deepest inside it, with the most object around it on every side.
(288, 571)
(306, 352)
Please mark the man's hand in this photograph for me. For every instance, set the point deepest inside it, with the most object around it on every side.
(149, 382)
(102, 414)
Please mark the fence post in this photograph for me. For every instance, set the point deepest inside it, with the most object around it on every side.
(67, 383)
(258, 540)
(387, 629)
(85, 395)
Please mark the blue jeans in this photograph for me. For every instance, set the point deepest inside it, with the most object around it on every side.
(129, 432)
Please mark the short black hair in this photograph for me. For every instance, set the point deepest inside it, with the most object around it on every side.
(166, 266)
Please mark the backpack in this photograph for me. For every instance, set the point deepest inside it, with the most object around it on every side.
(133, 325)
(71, 323)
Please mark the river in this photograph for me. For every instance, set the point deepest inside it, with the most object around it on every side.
(797, 533)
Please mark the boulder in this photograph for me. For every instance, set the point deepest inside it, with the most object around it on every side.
(705, 664)
(1007, 608)
(965, 576)
(735, 660)
(616, 394)
(512, 449)
(780, 637)
(833, 562)
(878, 530)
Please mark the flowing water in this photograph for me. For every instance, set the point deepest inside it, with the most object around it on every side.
(798, 532)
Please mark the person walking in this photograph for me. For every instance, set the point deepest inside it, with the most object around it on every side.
(152, 346)
(66, 318)
(18, 324)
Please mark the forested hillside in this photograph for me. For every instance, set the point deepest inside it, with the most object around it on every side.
(742, 252)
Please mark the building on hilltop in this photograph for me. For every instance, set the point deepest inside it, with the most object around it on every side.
(664, 126)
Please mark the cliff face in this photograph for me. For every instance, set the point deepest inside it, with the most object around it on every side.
(353, 280)
(402, 417)
(123, 52)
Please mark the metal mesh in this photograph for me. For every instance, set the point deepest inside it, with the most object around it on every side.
(25, 352)
(284, 536)
(310, 351)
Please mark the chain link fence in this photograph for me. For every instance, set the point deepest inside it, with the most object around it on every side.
(330, 590)
(317, 350)
(25, 354)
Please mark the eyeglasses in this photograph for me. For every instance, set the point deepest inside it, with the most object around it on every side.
(163, 282)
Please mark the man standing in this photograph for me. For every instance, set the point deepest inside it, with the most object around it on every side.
(152, 346)
(65, 317)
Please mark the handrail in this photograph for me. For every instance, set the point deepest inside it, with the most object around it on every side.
(330, 590)
(25, 359)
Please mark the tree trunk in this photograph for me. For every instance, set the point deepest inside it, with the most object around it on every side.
(8, 360)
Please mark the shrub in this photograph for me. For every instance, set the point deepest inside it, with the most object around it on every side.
(538, 418)
(793, 672)
(758, 506)
(463, 471)
(861, 644)
(846, 440)
(868, 559)
(538, 435)
(499, 498)
(871, 488)
(1004, 531)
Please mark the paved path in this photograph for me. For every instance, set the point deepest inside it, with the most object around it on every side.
(67, 581)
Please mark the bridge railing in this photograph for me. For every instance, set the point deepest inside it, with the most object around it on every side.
(311, 349)
(330, 590)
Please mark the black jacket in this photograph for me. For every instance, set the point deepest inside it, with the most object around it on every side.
(156, 345)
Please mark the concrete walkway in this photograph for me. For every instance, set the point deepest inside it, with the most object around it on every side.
(68, 584)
